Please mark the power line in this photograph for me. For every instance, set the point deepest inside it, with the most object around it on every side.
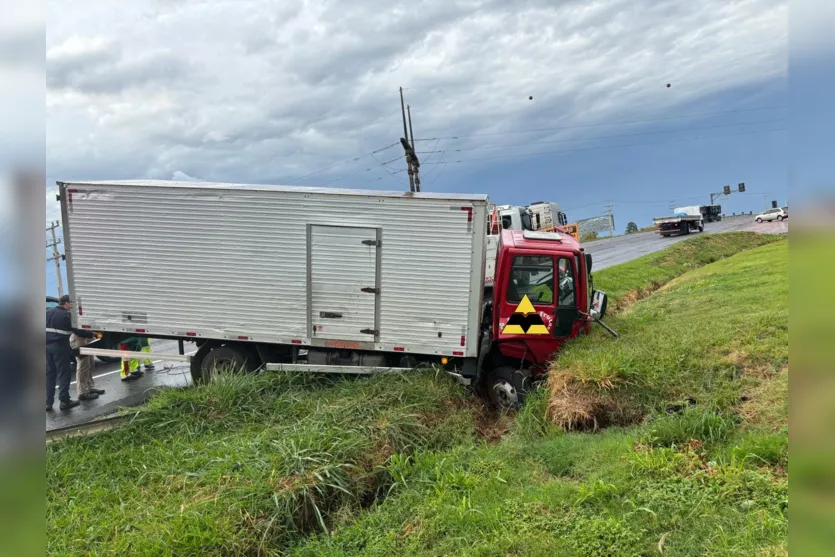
(672, 140)
(372, 153)
(364, 170)
(643, 120)
(605, 136)
(397, 178)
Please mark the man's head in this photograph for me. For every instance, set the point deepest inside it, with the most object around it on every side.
(65, 301)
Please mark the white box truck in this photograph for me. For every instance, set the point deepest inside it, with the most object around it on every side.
(363, 281)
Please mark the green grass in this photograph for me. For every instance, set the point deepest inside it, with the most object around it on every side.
(572, 494)
(402, 465)
(714, 335)
(245, 463)
(694, 478)
(636, 279)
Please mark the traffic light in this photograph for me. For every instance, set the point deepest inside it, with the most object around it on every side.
(741, 187)
(727, 190)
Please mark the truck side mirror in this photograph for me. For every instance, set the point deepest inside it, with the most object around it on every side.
(599, 301)
(588, 263)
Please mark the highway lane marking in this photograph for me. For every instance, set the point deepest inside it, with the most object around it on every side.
(118, 370)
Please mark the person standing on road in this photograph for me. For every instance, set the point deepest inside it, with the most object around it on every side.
(59, 354)
(84, 370)
(145, 343)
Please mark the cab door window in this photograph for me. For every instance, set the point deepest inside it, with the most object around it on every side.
(565, 285)
(532, 276)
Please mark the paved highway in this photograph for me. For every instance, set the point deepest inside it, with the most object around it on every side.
(620, 249)
(605, 252)
(118, 393)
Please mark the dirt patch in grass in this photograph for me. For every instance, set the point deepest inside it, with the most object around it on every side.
(587, 406)
(492, 424)
(765, 402)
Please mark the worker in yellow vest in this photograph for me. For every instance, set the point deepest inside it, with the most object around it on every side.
(131, 368)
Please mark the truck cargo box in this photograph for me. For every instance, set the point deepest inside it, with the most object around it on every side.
(547, 215)
(387, 271)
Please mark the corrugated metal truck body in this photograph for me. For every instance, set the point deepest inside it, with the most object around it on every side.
(384, 271)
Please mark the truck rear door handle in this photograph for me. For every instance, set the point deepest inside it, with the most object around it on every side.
(330, 315)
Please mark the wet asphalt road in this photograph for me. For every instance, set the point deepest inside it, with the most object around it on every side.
(620, 249)
(119, 394)
(605, 252)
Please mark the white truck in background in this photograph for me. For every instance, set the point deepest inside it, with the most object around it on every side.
(545, 216)
(684, 220)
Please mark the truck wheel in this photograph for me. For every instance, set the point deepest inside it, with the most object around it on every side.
(218, 358)
(507, 387)
(701, 228)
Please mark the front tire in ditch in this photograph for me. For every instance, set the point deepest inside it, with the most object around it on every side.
(507, 387)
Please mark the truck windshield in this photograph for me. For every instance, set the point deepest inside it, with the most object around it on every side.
(531, 276)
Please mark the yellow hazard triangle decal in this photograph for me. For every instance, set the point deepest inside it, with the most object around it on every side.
(525, 320)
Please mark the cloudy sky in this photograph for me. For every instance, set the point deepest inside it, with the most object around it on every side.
(306, 92)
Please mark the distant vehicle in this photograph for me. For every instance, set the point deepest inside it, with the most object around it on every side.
(711, 213)
(683, 221)
(772, 214)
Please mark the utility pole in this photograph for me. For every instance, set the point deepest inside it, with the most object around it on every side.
(672, 205)
(415, 162)
(406, 147)
(56, 257)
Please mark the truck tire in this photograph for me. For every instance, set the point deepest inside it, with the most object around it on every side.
(701, 228)
(205, 365)
(507, 387)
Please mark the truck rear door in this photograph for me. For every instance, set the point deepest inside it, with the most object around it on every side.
(343, 283)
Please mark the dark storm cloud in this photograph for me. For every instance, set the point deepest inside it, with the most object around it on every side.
(104, 68)
(266, 91)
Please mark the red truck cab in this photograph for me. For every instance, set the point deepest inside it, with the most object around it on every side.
(542, 296)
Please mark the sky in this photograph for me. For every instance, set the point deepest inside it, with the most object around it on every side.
(307, 93)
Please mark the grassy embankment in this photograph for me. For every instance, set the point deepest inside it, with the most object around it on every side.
(395, 465)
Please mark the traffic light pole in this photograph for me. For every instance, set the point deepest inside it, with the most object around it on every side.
(727, 191)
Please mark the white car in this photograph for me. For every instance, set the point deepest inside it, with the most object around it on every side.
(772, 214)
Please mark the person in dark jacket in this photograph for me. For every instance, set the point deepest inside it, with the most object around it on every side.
(59, 354)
